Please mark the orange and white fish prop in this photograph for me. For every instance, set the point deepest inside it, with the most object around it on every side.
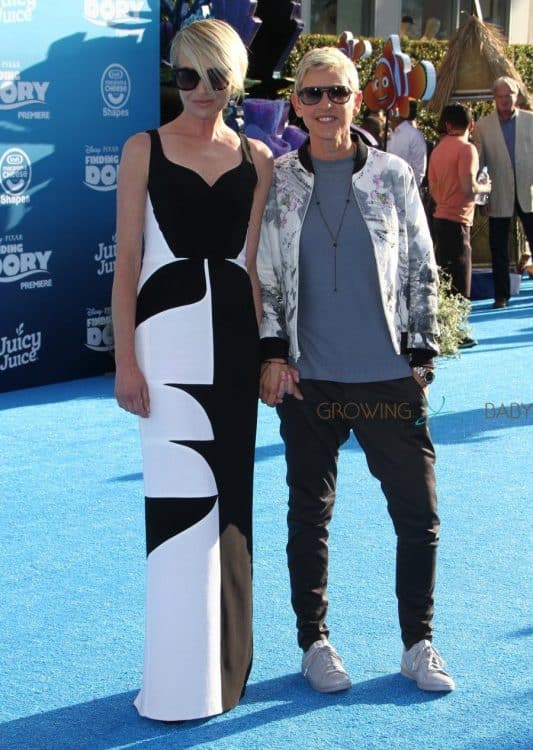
(355, 49)
(394, 82)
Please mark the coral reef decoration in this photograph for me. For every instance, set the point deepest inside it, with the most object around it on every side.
(266, 120)
(240, 14)
(394, 81)
(355, 49)
(269, 28)
(176, 14)
(281, 27)
(194, 10)
(295, 19)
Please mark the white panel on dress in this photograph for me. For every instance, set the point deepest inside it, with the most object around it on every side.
(176, 345)
(172, 470)
(160, 254)
(176, 415)
(240, 260)
(183, 626)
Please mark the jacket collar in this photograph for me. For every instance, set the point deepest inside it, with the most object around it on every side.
(359, 161)
(514, 115)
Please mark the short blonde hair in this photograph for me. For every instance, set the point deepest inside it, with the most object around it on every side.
(212, 44)
(326, 58)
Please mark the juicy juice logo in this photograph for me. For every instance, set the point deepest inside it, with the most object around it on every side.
(105, 256)
(20, 350)
(17, 11)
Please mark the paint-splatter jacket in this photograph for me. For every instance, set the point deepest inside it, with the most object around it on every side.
(387, 195)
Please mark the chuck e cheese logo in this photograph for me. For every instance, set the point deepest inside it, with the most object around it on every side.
(394, 82)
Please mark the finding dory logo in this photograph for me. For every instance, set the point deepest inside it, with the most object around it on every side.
(125, 17)
(394, 81)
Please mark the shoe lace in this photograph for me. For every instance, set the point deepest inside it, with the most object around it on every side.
(330, 659)
(433, 660)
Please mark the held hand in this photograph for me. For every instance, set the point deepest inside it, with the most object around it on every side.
(272, 382)
(486, 188)
(293, 387)
(131, 391)
(277, 379)
(424, 386)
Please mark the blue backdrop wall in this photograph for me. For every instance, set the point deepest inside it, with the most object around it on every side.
(77, 77)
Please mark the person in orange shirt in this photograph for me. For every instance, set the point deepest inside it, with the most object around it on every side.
(452, 177)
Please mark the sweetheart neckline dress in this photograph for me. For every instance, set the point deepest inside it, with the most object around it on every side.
(197, 345)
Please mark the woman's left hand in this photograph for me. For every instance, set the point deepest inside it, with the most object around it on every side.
(277, 380)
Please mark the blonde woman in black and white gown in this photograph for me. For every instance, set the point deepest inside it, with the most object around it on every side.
(191, 193)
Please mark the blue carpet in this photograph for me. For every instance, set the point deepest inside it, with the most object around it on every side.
(72, 566)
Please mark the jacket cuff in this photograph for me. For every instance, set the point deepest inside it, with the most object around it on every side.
(271, 346)
(421, 357)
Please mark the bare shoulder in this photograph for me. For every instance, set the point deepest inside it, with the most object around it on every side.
(134, 163)
(260, 150)
(262, 156)
(137, 146)
(135, 158)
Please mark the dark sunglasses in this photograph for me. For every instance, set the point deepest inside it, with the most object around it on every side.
(188, 79)
(313, 94)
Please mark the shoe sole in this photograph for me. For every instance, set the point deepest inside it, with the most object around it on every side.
(328, 690)
(440, 689)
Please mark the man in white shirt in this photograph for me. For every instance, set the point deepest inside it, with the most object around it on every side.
(408, 142)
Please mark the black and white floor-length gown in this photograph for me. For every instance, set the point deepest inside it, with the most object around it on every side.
(197, 345)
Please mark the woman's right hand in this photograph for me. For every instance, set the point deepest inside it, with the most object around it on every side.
(131, 391)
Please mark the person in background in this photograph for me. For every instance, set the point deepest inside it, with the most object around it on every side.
(349, 284)
(431, 29)
(407, 26)
(452, 173)
(504, 139)
(372, 130)
(190, 200)
(408, 142)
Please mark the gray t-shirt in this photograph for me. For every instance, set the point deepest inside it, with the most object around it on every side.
(342, 333)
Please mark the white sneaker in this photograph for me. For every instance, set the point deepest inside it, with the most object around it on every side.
(322, 668)
(425, 665)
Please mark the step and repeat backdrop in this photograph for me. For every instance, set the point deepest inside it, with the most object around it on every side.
(77, 77)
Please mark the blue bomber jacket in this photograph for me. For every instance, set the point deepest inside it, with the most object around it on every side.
(386, 193)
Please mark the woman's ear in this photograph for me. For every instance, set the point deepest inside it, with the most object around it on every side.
(296, 105)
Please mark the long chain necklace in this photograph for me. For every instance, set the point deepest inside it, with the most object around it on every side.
(334, 237)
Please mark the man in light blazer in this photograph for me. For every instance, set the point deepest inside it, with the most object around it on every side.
(505, 143)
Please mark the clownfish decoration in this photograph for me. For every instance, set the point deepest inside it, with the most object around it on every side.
(355, 49)
(393, 82)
